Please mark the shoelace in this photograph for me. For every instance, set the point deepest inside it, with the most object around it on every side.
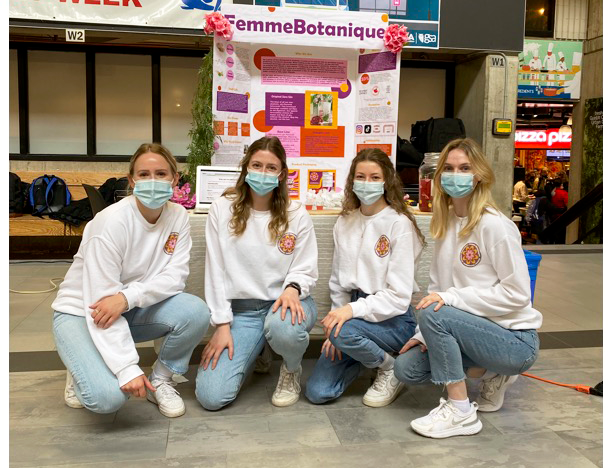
(70, 393)
(381, 379)
(166, 389)
(287, 381)
(442, 411)
(487, 387)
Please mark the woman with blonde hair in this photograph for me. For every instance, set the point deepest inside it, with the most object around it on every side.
(126, 285)
(261, 266)
(377, 244)
(478, 313)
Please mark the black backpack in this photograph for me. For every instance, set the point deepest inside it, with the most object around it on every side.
(48, 194)
(432, 135)
(407, 155)
(17, 194)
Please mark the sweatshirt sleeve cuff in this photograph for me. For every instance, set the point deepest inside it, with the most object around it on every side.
(129, 373)
(359, 309)
(131, 296)
(222, 317)
(419, 336)
(447, 297)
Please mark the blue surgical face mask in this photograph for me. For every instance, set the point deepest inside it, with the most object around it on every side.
(457, 185)
(153, 193)
(262, 183)
(368, 192)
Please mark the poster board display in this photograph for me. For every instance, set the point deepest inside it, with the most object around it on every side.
(550, 70)
(325, 101)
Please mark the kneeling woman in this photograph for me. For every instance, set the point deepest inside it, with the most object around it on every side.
(261, 265)
(478, 312)
(126, 285)
(376, 248)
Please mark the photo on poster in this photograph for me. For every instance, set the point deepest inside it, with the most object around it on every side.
(321, 109)
(323, 179)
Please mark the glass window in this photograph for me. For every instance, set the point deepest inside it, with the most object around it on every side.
(57, 100)
(124, 113)
(540, 18)
(179, 79)
(13, 103)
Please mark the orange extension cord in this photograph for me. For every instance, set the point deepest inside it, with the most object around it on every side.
(581, 388)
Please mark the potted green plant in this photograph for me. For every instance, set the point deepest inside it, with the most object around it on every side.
(202, 134)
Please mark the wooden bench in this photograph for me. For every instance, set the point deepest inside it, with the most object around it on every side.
(28, 225)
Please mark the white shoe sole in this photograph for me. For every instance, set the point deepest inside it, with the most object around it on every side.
(168, 414)
(285, 402)
(456, 431)
(380, 403)
(75, 405)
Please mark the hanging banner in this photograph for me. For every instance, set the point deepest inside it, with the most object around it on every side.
(272, 25)
(323, 103)
(176, 14)
(550, 70)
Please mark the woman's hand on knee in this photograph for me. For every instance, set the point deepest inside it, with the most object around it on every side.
(430, 299)
(411, 343)
(330, 350)
(290, 299)
(138, 386)
(107, 310)
(337, 318)
(221, 339)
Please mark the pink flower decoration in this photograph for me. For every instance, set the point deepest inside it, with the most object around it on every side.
(181, 196)
(395, 37)
(218, 24)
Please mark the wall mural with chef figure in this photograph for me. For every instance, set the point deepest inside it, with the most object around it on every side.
(550, 70)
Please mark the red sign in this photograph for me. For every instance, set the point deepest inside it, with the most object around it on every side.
(543, 139)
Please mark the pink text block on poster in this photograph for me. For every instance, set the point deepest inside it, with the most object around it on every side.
(289, 137)
(303, 71)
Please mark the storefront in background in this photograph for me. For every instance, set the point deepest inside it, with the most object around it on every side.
(539, 149)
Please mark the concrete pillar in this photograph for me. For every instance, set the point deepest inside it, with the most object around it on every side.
(480, 86)
(591, 87)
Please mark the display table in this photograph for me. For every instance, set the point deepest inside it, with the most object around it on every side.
(323, 221)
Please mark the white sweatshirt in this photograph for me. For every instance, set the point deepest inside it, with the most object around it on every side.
(252, 266)
(486, 273)
(377, 254)
(121, 251)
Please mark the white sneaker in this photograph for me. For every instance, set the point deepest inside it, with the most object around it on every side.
(69, 394)
(288, 388)
(264, 360)
(166, 398)
(492, 392)
(384, 390)
(447, 421)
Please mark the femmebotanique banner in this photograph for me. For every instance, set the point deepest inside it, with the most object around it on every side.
(324, 103)
(176, 14)
(338, 29)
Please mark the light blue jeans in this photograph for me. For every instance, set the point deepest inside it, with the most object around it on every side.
(457, 340)
(253, 324)
(361, 342)
(183, 319)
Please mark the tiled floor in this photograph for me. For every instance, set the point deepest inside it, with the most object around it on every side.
(540, 425)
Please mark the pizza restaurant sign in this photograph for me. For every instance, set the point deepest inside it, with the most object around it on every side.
(543, 139)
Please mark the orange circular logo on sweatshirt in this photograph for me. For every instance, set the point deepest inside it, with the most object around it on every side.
(383, 246)
(171, 243)
(470, 255)
(286, 243)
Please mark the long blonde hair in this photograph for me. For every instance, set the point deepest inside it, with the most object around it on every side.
(481, 198)
(394, 195)
(241, 194)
